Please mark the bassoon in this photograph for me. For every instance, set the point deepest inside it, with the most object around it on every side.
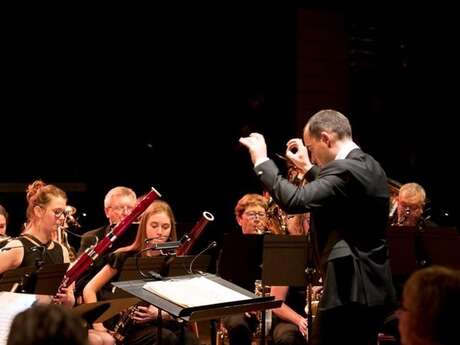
(189, 239)
(193, 235)
(85, 260)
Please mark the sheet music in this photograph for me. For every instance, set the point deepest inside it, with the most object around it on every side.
(194, 292)
(11, 305)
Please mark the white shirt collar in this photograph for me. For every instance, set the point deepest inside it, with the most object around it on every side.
(346, 148)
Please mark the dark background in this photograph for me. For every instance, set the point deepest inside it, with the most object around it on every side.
(147, 97)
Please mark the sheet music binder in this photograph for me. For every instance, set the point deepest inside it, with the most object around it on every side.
(204, 312)
(47, 281)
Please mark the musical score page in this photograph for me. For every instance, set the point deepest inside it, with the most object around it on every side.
(194, 292)
(12, 304)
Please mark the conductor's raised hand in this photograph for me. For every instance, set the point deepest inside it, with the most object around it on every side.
(297, 153)
(255, 142)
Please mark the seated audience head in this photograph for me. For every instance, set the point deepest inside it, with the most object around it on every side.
(250, 213)
(118, 203)
(430, 311)
(47, 324)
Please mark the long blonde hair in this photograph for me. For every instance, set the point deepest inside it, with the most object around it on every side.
(158, 206)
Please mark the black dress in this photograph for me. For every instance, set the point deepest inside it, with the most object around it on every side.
(37, 255)
(147, 333)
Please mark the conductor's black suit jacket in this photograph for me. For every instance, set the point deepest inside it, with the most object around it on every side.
(349, 204)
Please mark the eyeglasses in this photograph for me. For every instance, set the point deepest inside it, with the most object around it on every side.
(253, 215)
(122, 208)
(58, 212)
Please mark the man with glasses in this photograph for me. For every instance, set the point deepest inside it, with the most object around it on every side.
(118, 203)
(409, 205)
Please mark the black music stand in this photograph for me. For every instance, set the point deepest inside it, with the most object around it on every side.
(164, 266)
(240, 260)
(402, 249)
(284, 260)
(440, 246)
(284, 264)
(200, 312)
(44, 281)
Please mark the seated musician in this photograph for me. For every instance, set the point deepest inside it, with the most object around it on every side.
(118, 203)
(408, 207)
(289, 325)
(250, 214)
(157, 222)
(35, 247)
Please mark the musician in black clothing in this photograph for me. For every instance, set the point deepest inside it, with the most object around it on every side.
(409, 207)
(45, 211)
(157, 223)
(118, 203)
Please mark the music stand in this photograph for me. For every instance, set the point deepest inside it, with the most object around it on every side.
(245, 267)
(291, 253)
(200, 312)
(166, 266)
(402, 249)
(44, 281)
(440, 246)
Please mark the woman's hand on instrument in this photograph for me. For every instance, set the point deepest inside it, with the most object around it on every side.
(145, 314)
(303, 325)
(99, 326)
(65, 297)
(297, 153)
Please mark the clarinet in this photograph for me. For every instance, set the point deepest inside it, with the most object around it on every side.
(91, 254)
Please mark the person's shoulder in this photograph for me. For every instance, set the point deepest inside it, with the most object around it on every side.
(94, 232)
(14, 244)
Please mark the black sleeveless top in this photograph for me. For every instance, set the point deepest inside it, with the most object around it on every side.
(33, 253)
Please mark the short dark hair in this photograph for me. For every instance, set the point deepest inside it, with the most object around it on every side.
(330, 121)
(45, 324)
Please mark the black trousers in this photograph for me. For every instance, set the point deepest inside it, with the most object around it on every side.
(239, 328)
(350, 324)
(147, 334)
(286, 333)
